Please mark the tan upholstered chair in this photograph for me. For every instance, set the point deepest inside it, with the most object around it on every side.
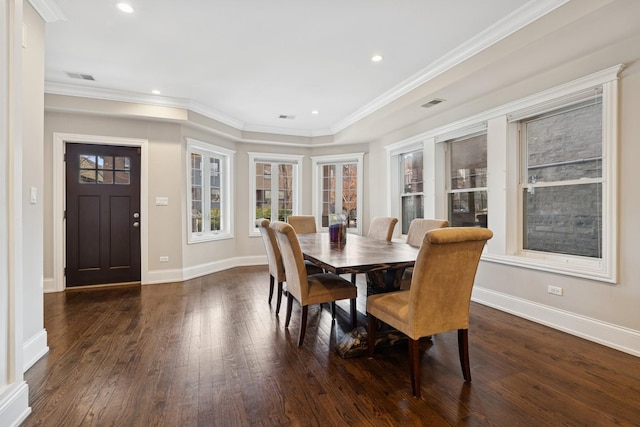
(274, 259)
(303, 224)
(315, 289)
(417, 229)
(381, 228)
(439, 297)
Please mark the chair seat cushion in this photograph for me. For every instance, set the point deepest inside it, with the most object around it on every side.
(327, 287)
(392, 308)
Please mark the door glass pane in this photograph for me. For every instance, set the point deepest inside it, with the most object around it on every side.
(105, 162)
(123, 163)
(328, 192)
(105, 177)
(122, 178)
(350, 193)
(87, 169)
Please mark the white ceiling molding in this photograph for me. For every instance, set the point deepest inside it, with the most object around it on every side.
(520, 18)
(49, 10)
(513, 22)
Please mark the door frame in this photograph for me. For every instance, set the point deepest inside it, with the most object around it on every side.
(59, 197)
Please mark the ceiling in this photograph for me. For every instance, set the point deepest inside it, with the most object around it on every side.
(246, 63)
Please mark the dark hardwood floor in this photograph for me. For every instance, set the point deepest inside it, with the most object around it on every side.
(211, 352)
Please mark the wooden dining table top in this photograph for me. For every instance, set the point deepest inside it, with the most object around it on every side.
(359, 255)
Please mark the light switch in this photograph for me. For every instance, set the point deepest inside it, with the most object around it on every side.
(162, 201)
(34, 195)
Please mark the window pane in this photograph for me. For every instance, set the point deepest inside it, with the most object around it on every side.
(328, 192)
(263, 191)
(468, 209)
(469, 162)
(196, 217)
(412, 207)
(564, 219)
(412, 169)
(565, 145)
(285, 191)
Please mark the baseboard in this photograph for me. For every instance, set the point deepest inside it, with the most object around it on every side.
(34, 349)
(49, 285)
(177, 275)
(14, 404)
(610, 335)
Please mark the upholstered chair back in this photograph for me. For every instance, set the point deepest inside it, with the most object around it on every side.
(303, 224)
(274, 258)
(442, 280)
(419, 227)
(381, 228)
(292, 260)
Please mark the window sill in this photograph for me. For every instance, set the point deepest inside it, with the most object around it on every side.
(201, 238)
(569, 266)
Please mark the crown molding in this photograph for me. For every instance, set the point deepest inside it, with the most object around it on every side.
(518, 19)
(49, 10)
(511, 23)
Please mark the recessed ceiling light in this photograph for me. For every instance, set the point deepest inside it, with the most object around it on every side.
(156, 92)
(315, 112)
(376, 58)
(125, 7)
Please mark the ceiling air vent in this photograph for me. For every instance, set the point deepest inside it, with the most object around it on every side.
(286, 116)
(81, 76)
(433, 102)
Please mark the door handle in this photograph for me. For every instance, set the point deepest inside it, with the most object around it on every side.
(136, 224)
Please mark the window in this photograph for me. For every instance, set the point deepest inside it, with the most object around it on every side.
(337, 187)
(467, 187)
(561, 183)
(412, 196)
(274, 182)
(209, 195)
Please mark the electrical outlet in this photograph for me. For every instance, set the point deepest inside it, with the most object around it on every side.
(164, 259)
(554, 290)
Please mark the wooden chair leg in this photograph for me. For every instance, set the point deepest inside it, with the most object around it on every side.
(463, 350)
(279, 298)
(271, 283)
(414, 366)
(333, 310)
(371, 333)
(354, 314)
(353, 278)
(303, 324)
(289, 307)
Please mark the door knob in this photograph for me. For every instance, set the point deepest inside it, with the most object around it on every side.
(136, 224)
(136, 215)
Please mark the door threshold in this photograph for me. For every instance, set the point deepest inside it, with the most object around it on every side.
(102, 286)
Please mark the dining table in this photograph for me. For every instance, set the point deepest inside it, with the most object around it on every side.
(384, 263)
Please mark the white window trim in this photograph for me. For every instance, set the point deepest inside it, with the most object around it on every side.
(503, 164)
(295, 160)
(226, 198)
(317, 162)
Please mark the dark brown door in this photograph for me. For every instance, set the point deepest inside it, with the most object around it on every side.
(102, 214)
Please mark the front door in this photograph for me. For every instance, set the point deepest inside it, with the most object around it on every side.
(102, 214)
